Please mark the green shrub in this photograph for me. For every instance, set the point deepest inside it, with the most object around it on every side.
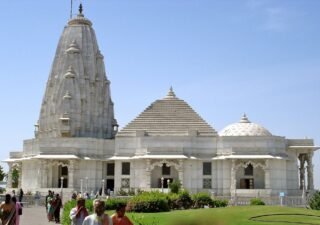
(149, 202)
(2, 190)
(217, 203)
(256, 201)
(122, 192)
(314, 201)
(112, 203)
(175, 186)
(201, 199)
(66, 211)
(184, 200)
(173, 200)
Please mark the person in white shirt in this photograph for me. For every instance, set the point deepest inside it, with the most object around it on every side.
(78, 213)
(99, 217)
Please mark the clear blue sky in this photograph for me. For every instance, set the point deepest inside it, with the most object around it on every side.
(223, 57)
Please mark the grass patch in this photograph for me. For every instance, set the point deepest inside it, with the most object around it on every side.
(240, 215)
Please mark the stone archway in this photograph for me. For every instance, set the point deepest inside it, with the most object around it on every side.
(169, 170)
(59, 174)
(251, 175)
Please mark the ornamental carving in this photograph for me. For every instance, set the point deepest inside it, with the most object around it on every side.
(16, 165)
(59, 163)
(254, 164)
(168, 163)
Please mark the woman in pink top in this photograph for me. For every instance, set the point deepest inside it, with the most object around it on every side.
(18, 209)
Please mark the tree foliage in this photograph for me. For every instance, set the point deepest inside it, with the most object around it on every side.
(2, 174)
(15, 178)
(314, 201)
(175, 186)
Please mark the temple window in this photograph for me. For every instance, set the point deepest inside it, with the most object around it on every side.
(206, 183)
(206, 168)
(110, 169)
(125, 183)
(248, 171)
(165, 169)
(125, 168)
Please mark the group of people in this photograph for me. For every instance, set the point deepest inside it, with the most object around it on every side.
(53, 205)
(11, 210)
(80, 216)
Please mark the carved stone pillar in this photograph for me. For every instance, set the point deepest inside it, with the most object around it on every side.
(9, 181)
(233, 181)
(180, 171)
(148, 174)
(19, 167)
(71, 173)
(310, 171)
(267, 180)
(302, 160)
(44, 173)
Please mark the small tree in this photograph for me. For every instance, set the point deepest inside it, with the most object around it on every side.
(314, 201)
(2, 174)
(175, 186)
(15, 178)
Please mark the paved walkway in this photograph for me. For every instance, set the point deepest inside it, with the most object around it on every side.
(35, 215)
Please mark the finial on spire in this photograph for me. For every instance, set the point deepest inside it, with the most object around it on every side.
(80, 8)
(244, 119)
(171, 93)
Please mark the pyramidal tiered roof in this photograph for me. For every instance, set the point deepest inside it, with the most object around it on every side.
(77, 101)
(169, 116)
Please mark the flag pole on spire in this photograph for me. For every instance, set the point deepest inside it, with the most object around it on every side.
(71, 9)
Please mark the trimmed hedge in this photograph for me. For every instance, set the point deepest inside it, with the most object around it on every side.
(256, 201)
(217, 203)
(112, 203)
(152, 202)
(149, 202)
(201, 199)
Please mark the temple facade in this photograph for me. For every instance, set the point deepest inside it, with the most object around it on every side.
(77, 145)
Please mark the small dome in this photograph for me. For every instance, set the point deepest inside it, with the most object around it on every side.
(244, 128)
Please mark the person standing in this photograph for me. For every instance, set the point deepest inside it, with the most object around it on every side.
(48, 197)
(8, 209)
(78, 213)
(99, 217)
(18, 209)
(20, 195)
(50, 206)
(57, 204)
(119, 218)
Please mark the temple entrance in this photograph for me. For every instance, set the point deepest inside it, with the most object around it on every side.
(162, 175)
(250, 175)
(246, 183)
(110, 184)
(166, 182)
(63, 176)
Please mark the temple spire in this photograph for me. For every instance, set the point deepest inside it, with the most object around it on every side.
(80, 9)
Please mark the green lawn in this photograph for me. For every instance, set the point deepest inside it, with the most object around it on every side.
(230, 216)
